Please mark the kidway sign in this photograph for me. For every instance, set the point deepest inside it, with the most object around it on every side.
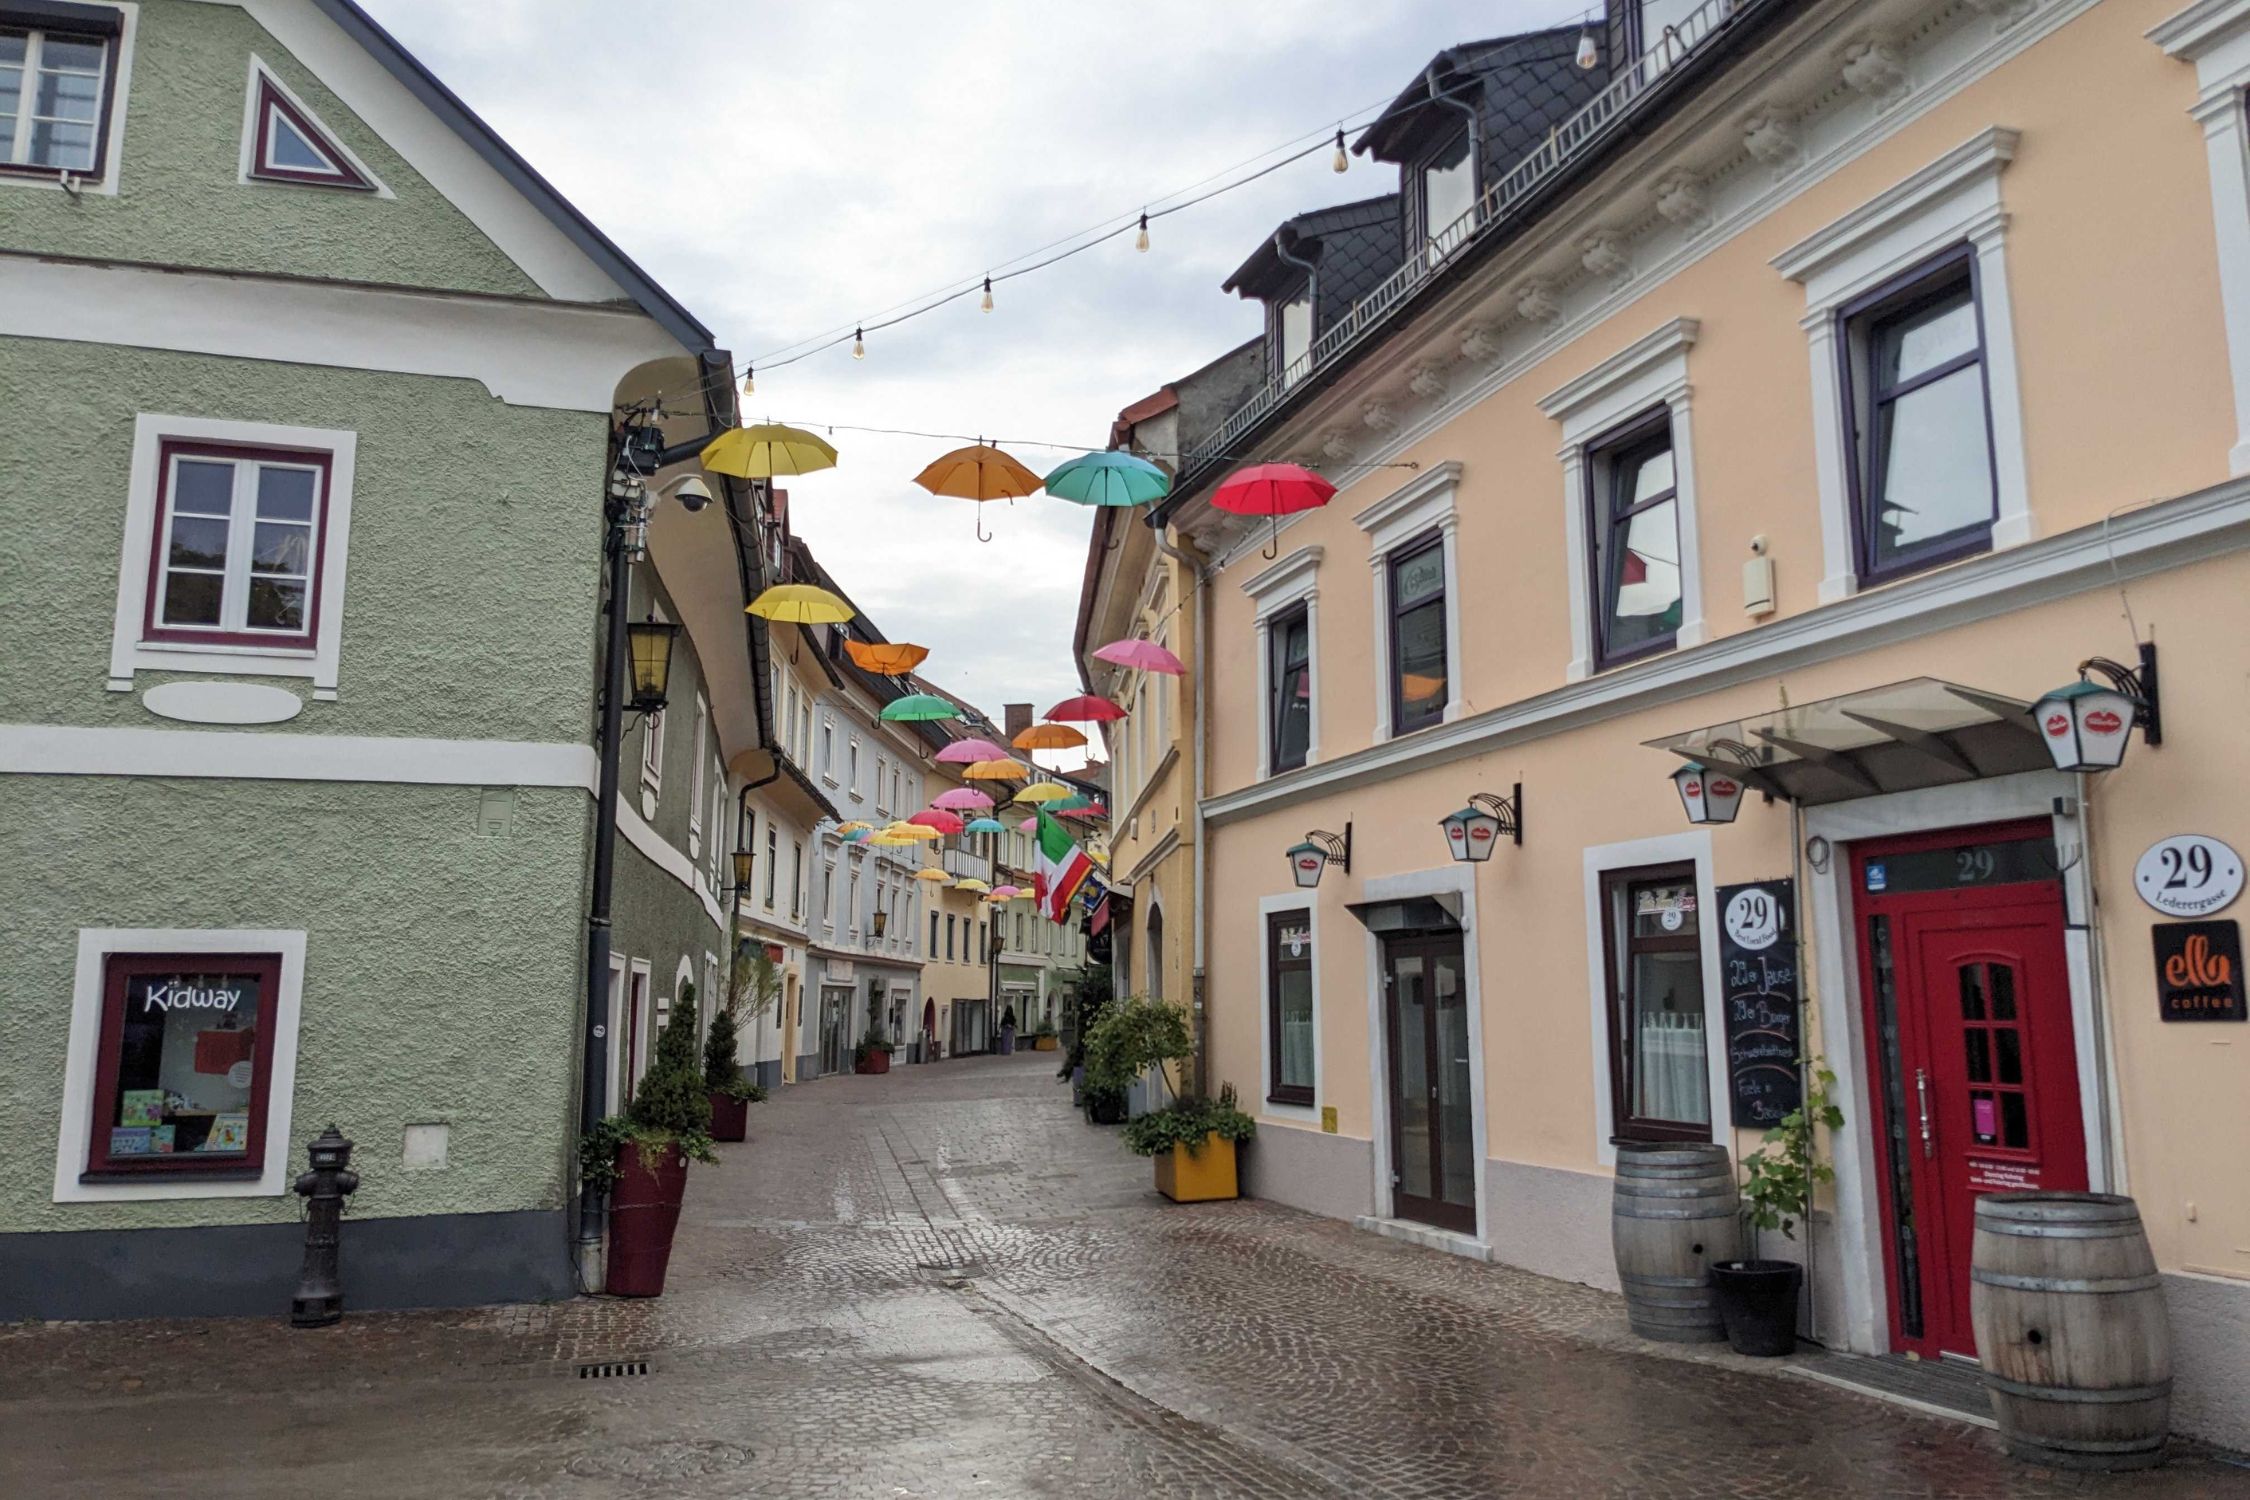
(2189, 875)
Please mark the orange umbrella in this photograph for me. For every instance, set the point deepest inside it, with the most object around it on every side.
(885, 658)
(979, 472)
(1049, 737)
(997, 770)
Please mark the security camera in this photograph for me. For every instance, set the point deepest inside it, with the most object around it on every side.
(692, 493)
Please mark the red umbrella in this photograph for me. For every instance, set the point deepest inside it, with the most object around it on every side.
(939, 819)
(1087, 814)
(1273, 491)
(1084, 709)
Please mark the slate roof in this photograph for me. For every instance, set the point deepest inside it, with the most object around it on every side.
(1521, 85)
(1353, 245)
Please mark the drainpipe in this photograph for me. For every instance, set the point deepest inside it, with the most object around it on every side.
(1312, 300)
(1476, 145)
(1199, 570)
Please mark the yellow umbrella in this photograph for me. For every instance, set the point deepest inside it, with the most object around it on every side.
(1043, 791)
(979, 472)
(800, 604)
(997, 770)
(767, 450)
(887, 840)
(854, 826)
(1049, 737)
(971, 884)
(933, 873)
(910, 832)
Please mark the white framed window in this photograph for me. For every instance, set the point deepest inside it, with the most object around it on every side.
(2214, 35)
(233, 557)
(796, 879)
(1953, 202)
(214, 1014)
(1293, 324)
(851, 766)
(1629, 514)
(1647, 1051)
(886, 785)
(696, 778)
(65, 75)
(1286, 597)
(722, 837)
(1417, 647)
(711, 998)
(773, 860)
(828, 751)
(285, 142)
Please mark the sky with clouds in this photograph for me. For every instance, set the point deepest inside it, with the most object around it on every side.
(788, 169)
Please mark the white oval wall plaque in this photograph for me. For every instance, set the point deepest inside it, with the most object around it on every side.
(222, 702)
(2189, 875)
(1753, 920)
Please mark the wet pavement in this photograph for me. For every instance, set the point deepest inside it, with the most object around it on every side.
(941, 1283)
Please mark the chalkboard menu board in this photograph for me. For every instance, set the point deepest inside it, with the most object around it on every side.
(1758, 968)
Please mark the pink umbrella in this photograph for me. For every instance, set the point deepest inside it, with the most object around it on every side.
(963, 752)
(1029, 825)
(1003, 892)
(940, 819)
(962, 799)
(1147, 655)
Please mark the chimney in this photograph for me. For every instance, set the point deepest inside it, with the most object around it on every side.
(1015, 718)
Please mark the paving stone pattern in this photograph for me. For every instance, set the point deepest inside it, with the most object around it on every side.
(942, 1283)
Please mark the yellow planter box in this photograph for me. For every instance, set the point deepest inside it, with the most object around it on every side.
(1044, 1043)
(1199, 1177)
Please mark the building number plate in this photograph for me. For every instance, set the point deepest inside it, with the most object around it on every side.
(2189, 875)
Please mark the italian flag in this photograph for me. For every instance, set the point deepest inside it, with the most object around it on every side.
(1063, 868)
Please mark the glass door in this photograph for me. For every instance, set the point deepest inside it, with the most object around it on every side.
(1433, 1137)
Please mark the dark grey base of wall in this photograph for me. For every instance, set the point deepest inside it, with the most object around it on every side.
(766, 1075)
(808, 1066)
(250, 1270)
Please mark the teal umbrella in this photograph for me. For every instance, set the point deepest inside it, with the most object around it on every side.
(919, 708)
(984, 825)
(1109, 478)
(1072, 803)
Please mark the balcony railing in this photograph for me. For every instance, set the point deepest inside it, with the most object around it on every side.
(1566, 143)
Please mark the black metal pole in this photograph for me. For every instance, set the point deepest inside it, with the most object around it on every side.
(593, 1099)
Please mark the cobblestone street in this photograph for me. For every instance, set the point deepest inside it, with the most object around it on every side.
(941, 1283)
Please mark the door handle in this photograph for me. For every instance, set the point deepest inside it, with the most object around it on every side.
(1922, 1095)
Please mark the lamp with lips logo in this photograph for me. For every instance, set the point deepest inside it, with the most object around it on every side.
(1309, 860)
(2086, 725)
(1710, 794)
(1472, 832)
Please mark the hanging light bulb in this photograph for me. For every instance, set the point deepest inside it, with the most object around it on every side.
(1343, 162)
(749, 381)
(859, 344)
(1140, 241)
(986, 304)
(1589, 56)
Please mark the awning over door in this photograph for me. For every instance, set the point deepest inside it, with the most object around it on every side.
(1901, 738)
(1439, 913)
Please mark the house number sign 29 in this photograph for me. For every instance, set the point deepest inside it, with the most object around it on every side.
(2188, 875)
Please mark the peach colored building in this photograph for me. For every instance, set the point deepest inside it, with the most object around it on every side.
(1808, 388)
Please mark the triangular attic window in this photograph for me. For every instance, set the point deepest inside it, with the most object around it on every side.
(290, 146)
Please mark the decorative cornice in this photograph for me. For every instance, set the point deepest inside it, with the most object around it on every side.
(1285, 576)
(1422, 486)
(1630, 363)
(2172, 533)
(1985, 154)
(2201, 27)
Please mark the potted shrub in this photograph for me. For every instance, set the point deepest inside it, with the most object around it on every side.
(1193, 1141)
(1044, 1039)
(1134, 1038)
(873, 1054)
(1758, 1298)
(731, 1093)
(640, 1159)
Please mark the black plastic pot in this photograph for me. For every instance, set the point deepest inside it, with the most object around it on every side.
(1104, 1108)
(1758, 1303)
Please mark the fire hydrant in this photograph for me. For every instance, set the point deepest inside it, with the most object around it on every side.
(320, 1290)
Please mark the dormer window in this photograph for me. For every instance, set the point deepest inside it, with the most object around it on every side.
(1293, 335)
(1449, 188)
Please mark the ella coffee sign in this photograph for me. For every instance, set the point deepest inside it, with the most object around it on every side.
(2188, 875)
(2199, 971)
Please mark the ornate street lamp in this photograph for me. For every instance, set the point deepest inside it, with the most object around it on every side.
(1471, 833)
(651, 648)
(1310, 859)
(2086, 725)
(1710, 795)
(743, 860)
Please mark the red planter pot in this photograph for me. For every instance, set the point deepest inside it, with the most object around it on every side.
(730, 1118)
(873, 1062)
(644, 1210)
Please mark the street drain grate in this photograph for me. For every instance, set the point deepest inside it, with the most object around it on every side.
(611, 1369)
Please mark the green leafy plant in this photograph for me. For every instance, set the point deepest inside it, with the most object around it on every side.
(1132, 1037)
(722, 1072)
(876, 1040)
(1189, 1122)
(671, 1108)
(755, 985)
(1780, 1177)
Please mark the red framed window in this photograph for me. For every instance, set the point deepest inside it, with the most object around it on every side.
(58, 74)
(289, 147)
(185, 1065)
(238, 551)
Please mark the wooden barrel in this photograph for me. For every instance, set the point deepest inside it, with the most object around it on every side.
(2070, 1325)
(1673, 1213)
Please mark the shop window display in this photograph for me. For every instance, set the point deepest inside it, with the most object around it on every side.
(185, 1062)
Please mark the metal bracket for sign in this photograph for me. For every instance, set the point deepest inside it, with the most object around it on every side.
(1339, 850)
(2137, 683)
(1508, 809)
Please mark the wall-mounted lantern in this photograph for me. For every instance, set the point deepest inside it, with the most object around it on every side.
(1710, 794)
(1471, 833)
(1320, 849)
(743, 860)
(2085, 726)
(651, 648)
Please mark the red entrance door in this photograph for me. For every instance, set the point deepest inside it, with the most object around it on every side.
(1975, 1082)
